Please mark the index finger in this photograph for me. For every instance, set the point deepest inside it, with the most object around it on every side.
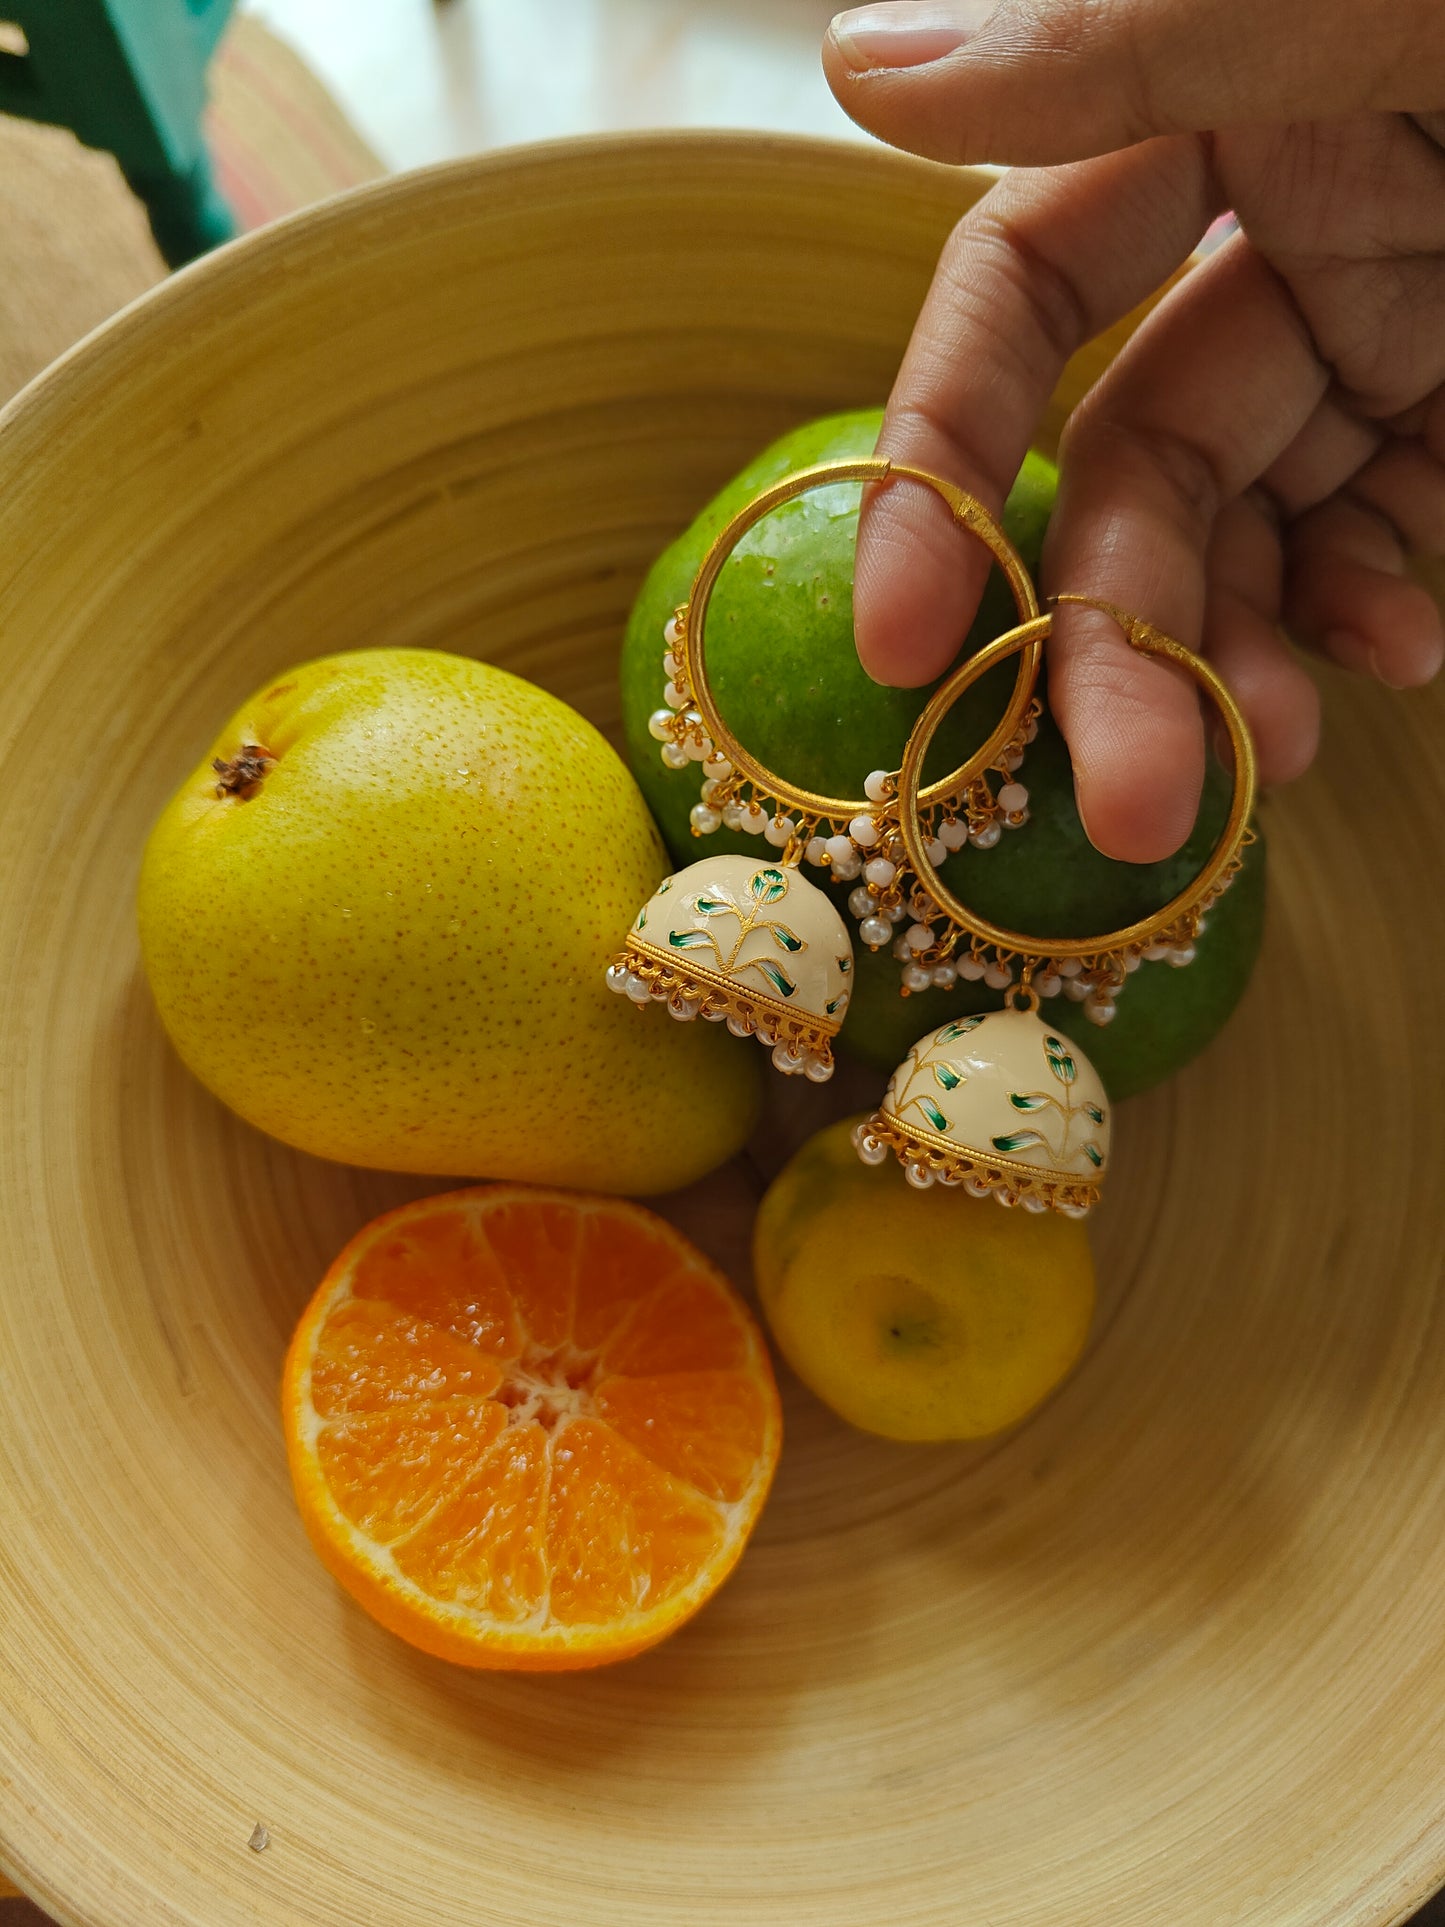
(1042, 264)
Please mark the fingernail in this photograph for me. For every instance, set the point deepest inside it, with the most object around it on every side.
(1372, 656)
(907, 35)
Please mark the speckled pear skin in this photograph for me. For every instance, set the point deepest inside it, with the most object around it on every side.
(392, 952)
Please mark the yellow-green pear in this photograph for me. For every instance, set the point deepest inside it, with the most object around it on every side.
(376, 920)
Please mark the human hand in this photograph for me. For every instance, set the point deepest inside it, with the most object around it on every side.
(1268, 446)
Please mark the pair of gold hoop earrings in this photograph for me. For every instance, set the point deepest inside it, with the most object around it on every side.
(996, 1102)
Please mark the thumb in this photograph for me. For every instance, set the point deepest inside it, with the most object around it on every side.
(1038, 82)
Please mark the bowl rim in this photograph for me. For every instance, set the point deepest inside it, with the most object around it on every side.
(185, 284)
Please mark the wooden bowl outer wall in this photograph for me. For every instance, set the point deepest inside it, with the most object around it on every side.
(1172, 1652)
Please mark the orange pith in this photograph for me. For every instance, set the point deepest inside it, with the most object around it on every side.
(528, 1429)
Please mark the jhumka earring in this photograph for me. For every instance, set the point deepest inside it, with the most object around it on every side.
(999, 1102)
(751, 941)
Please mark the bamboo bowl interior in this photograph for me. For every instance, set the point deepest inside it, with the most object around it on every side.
(1171, 1653)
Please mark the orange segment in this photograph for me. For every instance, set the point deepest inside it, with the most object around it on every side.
(622, 1537)
(701, 1426)
(528, 1429)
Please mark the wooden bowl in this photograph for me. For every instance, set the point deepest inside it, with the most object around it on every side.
(1173, 1653)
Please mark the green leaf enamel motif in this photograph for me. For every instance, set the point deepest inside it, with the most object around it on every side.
(960, 1027)
(712, 906)
(1093, 1154)
(845, 964)
(1060, 1062)
(1095, 1113)
(1017, 1141)
(641, 923)
(1028, 1100)
(948, 1075)
(775, 977)
(690, 940)
(931, 1111)
(835, 1004)
(664, 886)
(784, 938)
(768, 886)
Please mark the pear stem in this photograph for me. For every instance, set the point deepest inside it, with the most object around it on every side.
(241, 775)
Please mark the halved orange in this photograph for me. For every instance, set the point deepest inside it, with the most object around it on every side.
(527, 1428)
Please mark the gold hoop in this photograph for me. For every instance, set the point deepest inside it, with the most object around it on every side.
(1223, 861)
(692, 681)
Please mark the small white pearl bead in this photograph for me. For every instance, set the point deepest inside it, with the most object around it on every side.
(659, 725)
(710, 788)
(1006, 1199)
(1132, 961)
(878, 786)
(1073, 1210)
(779, 831)
(684, 1009)
(1050, 984)
(945, 976)
(860, 902)
(818, 1070)
(918, 977)
(671, 634)
(638, 988)
(985, 838)
(875, 932)
(1182, 956)
(697, 747)
(704, 820)
(816, 852)
(675, 756)
(949, 1179)
(787, 1060)
(1076, 990)
(1031, 733)
(996, 975)
(863, 830)
(674, 697)
(920, 1176)
(970, 969)
(755, 820)
(717, 766)
(732, 815)
(976, 1187)
(1100, 1010)
(740, 1026)
(1070, 967)
(1013, 796)
(840, 849)
(1034, 1203)
(896, 912)
(880, 871)
(617, 975)
(1011, 760)
(671, 664)
(848, 870)
(919, 936)
(953, 833)
(903, 950)
(935, 849)
(872, 1150)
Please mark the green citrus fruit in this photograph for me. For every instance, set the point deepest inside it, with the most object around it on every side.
(917, 1314)
(788, 681)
